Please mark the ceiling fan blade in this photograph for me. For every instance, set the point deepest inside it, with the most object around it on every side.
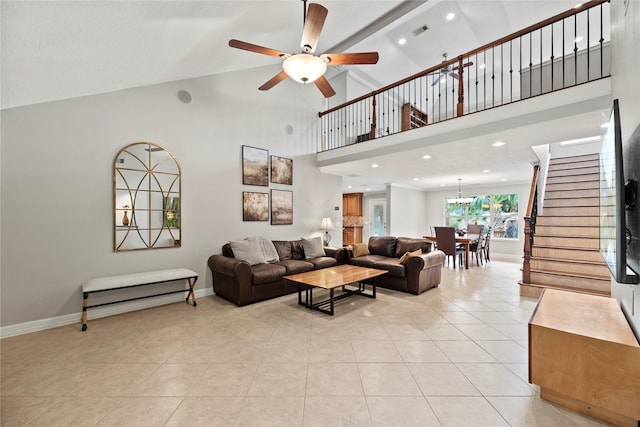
(454, 75)
(316, 15)
(255, 48)
(274, 81)
(351, 58)
(435, 82)
(323, 84)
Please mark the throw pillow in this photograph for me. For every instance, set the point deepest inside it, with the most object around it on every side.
(269, 252)
(360, 249)
(313, 247)
(247, 250)
(405, 258)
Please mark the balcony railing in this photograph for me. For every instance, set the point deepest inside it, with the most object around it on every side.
(566, 50)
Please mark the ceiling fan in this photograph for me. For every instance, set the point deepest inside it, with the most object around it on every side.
(305, 67)
(449, 70)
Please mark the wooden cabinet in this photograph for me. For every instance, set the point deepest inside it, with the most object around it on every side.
(352, 204)
(351, 235)
(584, 355)
(412, 118)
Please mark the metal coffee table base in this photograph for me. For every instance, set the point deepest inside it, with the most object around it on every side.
(327, 306)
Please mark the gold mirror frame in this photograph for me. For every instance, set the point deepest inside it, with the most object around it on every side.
(147, 188)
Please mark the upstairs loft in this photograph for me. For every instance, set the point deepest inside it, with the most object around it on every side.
(565, 58)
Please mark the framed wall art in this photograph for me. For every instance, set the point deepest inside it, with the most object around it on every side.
(255, 166)
(281, 207)
(255, 206)
(281, 170)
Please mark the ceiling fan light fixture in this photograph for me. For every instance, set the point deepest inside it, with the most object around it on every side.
(304, 68)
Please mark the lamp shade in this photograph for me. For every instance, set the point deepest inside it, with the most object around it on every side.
(304, 68)
(327, 224)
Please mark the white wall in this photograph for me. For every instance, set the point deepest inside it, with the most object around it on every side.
(57, 161)
(625, 39)
(407, 212)
(436, 213)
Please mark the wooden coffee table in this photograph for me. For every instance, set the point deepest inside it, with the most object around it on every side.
(331, 278)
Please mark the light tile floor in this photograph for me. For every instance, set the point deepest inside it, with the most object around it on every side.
(453, 356)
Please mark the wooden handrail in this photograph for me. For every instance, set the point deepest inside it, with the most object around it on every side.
(529, 228)
(459, 58)
(532, 190)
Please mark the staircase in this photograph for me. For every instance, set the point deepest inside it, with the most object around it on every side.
(565, 252)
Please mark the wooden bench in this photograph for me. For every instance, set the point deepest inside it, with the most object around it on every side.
(104, 284)
(584, 356)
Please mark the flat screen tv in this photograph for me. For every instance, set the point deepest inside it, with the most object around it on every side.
(613, 229)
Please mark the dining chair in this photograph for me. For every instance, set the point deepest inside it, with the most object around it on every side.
(446, 241)
(432, 230)
(476, 248)
(484, 247)
(475, 228)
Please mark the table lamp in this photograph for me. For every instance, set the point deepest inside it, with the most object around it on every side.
(327, 225)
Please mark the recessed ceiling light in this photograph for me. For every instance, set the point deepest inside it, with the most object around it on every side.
(604, 125)
(485, 171)
(498, 144)
(580, 140)
(375, 165)
(441, 185)
(426, 157)
(578, 39)
(367, 189)
(450, 16)
(350, 186)
(503, 179)
(483, 66)
(415, 179)
(402, 41)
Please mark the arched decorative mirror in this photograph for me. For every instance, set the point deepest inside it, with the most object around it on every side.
(146, 198)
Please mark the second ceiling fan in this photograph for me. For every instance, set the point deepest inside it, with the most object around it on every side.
(305, 67)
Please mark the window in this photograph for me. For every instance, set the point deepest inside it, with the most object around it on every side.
(498, 211)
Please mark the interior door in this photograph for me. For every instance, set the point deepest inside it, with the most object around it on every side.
(377, 215)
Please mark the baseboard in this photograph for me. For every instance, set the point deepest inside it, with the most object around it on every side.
(506, 257)
(110, 310)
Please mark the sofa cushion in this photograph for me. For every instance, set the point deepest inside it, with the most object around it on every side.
(360, 249)
(269, 252)
(267, 273)
(293, 266)
(297, 251)
(392, 265)
(283, 247)
(313, 247)
(404, 258)
(226, 250)
(322, 262)
(385, 246)
(407, 244)
(366, 260)
(247, 250)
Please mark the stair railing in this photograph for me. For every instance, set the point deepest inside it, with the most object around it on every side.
(565, 50)
(530, 225)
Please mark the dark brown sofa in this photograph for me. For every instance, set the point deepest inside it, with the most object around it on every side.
(242, 283)
(420, 272)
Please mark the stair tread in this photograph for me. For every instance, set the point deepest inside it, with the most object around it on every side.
(571, 261)
(566, 236)
(586, 291)
(571, 248)
(578, 275)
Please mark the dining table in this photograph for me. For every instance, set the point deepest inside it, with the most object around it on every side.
(465, 240)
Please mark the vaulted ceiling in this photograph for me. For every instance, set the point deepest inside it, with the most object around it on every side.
(54, 50)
